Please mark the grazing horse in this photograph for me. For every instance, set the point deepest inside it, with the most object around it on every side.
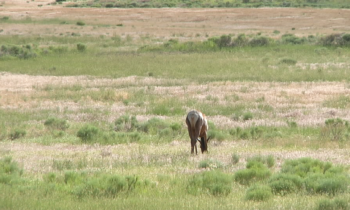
(197, 125)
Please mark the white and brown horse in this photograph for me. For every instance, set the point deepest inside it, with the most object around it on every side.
(197, 125)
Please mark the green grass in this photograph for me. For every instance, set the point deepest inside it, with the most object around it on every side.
(235, 65)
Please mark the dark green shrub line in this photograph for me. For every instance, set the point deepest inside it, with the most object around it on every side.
(226, 42)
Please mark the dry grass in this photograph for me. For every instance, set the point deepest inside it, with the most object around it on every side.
(167, 23)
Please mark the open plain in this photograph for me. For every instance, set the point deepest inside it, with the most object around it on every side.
(281, 108)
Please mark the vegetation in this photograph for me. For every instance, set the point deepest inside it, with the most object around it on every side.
(113, 136)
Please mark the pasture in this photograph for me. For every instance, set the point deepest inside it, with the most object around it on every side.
(93, 104)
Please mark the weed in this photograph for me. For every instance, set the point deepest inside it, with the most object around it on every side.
(81, 47)
(211, 164)
(336, 204)
(255, 171)
(334, 129)
(9, 171)
(258, 193)
(282, 184)
(88, 133)
(215, 182)
(17, 133)
(56, 124)
(235, 158)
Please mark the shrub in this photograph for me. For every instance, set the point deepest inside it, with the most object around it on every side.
(288, 61)
(303, 166)
(292, 39)
(17, 133)
(209, 163)
(126, 123)
(81, 47)
(336, 204)
(283, 184)
(88, 133)
(9, 170)
(258, 193)
(215, 182)
(56, 124)
(235, 158)
(80, 23)
(255, 171)
(259, 41)
(332, 186)
(334, 129)
(247, 116)
(107, 186)
(336, 40)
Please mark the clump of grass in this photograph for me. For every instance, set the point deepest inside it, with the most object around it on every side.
(209, 163)
(235, 158)
(88, 133)
(255, 171)
(9, 171)
(288, 61)
(81, 47)
(214, 182)
(282, 184)
(17, 133)
(56, 124)
(80, 23)
(334, 129)
(327, 204)
(258, 193)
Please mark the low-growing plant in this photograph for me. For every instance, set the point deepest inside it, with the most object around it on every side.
(211, 164)
(214, 182)
(334, 129)
(17, 133)
(88, 133)
(255, 171)
(235, 158)
(9, 171)
(258, 193)
(282, 184)
(56, 124)
(336, 204)
(81, 47)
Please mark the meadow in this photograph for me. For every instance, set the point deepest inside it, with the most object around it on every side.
(93, 119)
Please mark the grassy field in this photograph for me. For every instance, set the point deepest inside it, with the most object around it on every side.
(92, 112)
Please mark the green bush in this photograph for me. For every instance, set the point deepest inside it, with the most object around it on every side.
(17, 133)
(305, 166)
(255, 171)
(258, 193)
(107, 186)
(214, 182)
(126, 123)
(80, 23)
(56, 124)
(288, 61)
(81, 47)
(235, 158)
(334, 129)
(259, 41)
(9, 171)
(88, 133)
(336, 204)
(282, 184)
